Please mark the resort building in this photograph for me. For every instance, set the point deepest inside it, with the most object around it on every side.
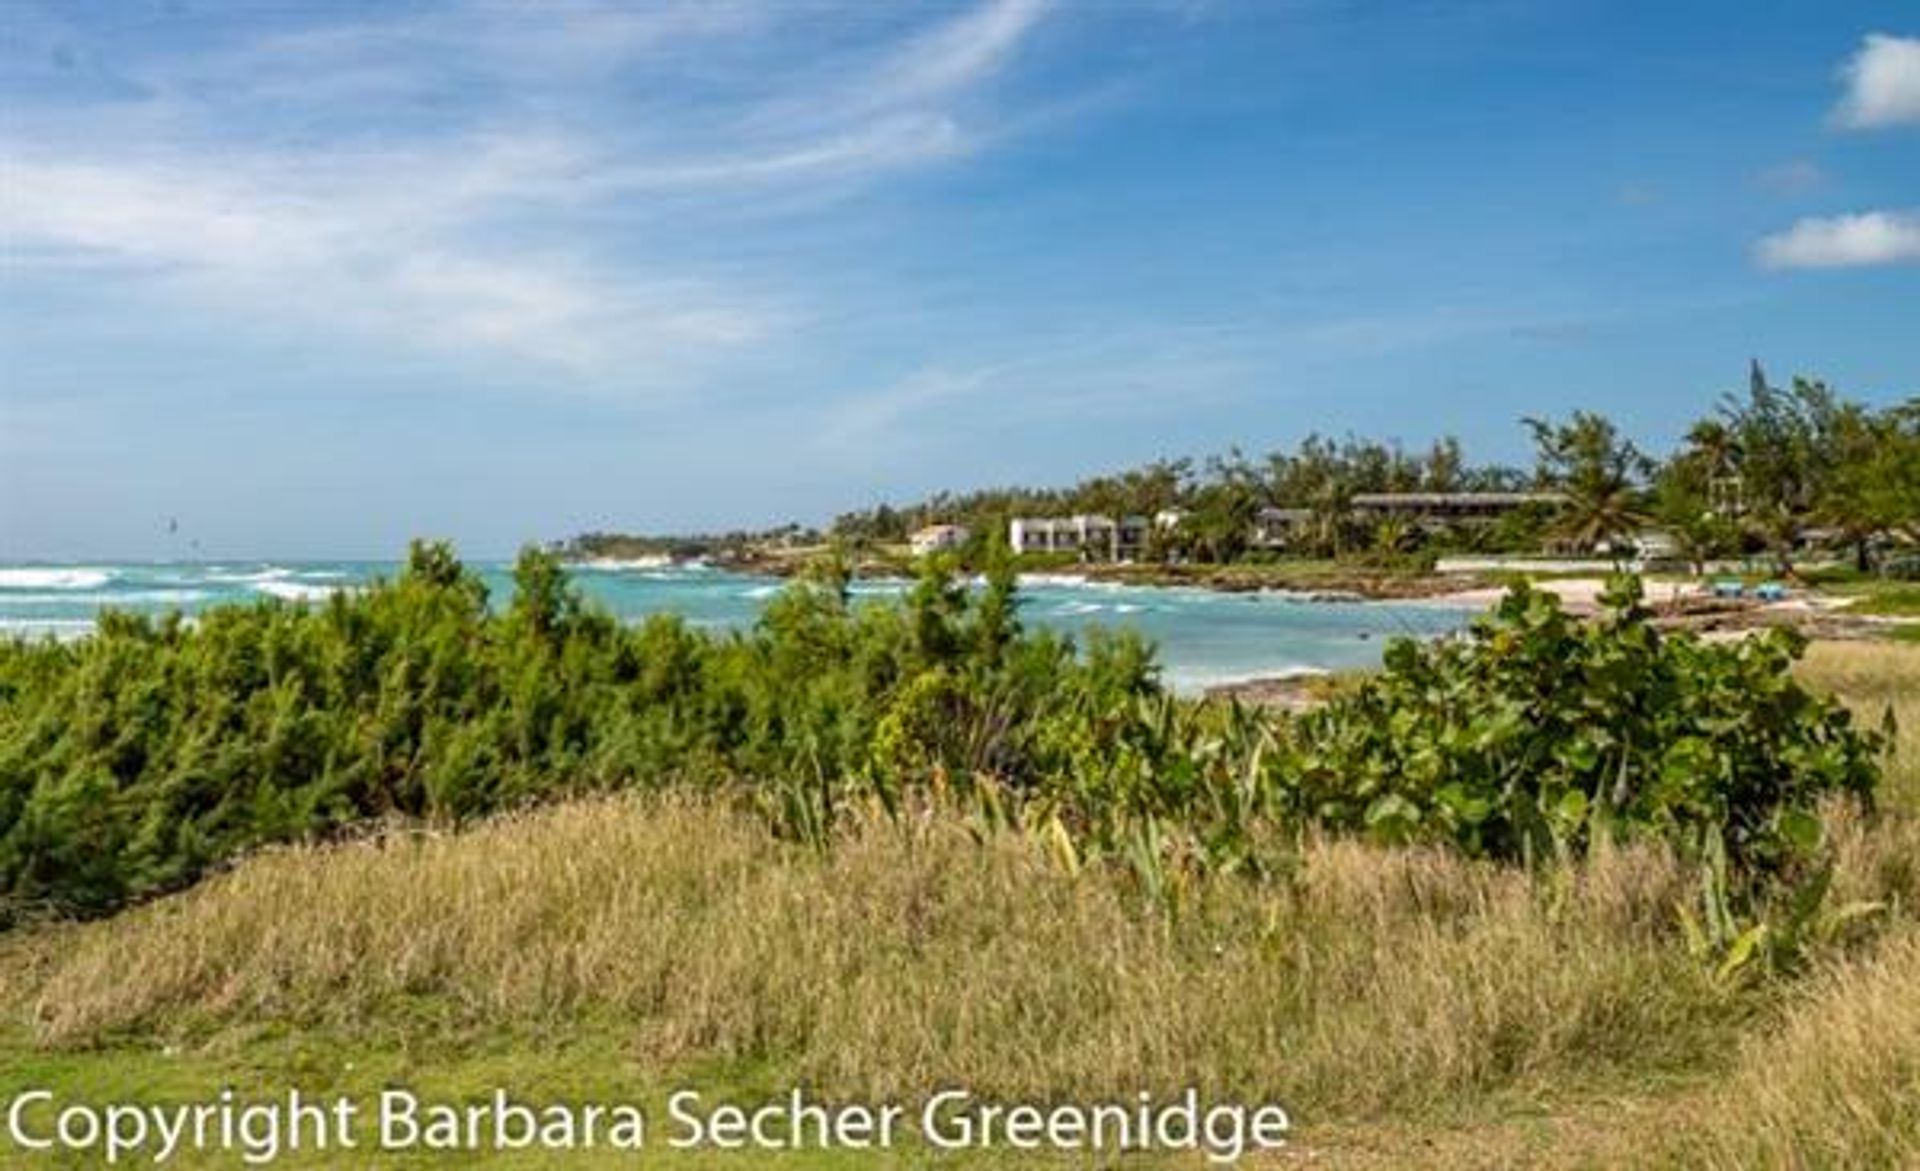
(1276, 528)
(1090, 535)
(938, 539)
(1441, 509)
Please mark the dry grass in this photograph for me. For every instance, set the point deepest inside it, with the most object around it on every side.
(1379, 979)
(1874, 678)
(1878, 857)
(1834, 1081)
(1837, 1084)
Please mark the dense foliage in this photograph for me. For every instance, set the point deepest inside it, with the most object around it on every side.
(134, 760)
(1542, 732)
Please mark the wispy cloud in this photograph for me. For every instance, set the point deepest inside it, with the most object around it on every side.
(953, 56)
(1152, 370)
(1847, 241)
(375, 246)
(1883, 84)
(494, 179)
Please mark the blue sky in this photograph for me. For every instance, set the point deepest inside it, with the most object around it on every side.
(317, 277)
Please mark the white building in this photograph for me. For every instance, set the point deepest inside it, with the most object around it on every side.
(938, 539)
(1090, 535)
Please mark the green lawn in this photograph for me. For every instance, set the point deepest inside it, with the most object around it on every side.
(1894, 599)
(581, 1066)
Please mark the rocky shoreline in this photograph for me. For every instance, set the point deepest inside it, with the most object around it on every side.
(1309, 583)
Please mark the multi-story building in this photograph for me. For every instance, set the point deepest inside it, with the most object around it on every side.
(1088, 534)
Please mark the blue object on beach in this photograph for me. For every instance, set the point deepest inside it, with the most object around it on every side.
(1728, 588)
(1770, 591)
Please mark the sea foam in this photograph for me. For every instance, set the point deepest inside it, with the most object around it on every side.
(296, 591)
(21, 577)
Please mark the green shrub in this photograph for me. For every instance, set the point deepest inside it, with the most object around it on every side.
(1539, 732)
(133, 761)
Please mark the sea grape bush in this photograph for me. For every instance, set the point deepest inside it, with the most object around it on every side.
(133, 761)
(1539, 732)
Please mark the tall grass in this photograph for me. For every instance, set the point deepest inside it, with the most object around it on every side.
(1836, 1083)
(1875, 679)
(903, 961)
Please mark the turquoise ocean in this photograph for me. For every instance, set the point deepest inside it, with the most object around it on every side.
(1202, 637)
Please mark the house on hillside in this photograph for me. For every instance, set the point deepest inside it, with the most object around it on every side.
(938, 539)
(1277, 528)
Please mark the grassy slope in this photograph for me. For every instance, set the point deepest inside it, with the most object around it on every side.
(1405, 1005)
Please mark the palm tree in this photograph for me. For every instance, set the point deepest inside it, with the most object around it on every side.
(1598, 471)
(1394, 534)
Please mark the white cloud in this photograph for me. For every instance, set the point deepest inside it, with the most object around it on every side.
(1847, 241)
(1883, 84)
(533, 183)
(370, 247)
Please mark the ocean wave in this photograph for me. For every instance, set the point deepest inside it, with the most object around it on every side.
(296, 591)
(1192, 680)
(106, 598)
(621, 564)
(252, 577)
(48, 578)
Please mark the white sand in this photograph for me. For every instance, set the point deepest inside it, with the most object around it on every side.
(1577, 594)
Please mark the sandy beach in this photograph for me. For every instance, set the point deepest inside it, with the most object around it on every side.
(1578, 595)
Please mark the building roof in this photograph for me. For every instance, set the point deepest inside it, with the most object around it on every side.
(1444, 499)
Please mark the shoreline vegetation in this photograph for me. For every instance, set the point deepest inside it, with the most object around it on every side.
(1565, 891)
(1407, 1003)
(136, 760)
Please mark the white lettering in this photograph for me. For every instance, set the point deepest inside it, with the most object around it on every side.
(399, 1125)
(16, 1121)
(942, 1122)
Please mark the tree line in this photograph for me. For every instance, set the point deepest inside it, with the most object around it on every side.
(1770, 470)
